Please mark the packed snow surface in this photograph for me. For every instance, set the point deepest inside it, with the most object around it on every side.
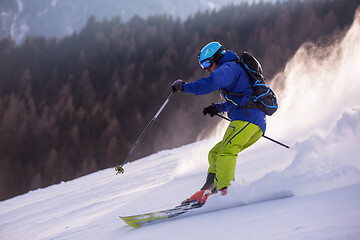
(319, 117)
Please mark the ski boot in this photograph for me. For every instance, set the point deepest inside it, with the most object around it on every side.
(200, 197)
(223, 192)
(196, 198)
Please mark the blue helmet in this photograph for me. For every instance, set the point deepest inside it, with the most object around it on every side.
(211, 51)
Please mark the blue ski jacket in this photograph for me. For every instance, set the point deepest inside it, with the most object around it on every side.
(233, 78)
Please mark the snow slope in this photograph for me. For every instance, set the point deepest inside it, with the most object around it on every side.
(319, 117)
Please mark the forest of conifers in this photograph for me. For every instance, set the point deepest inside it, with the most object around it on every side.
(73, 106)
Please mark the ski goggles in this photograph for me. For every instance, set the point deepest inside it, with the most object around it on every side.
(206, 64)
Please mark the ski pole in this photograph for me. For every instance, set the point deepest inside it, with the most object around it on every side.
(119, 168)
(273, 140)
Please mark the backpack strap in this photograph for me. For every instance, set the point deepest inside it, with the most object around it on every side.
(247, 104)
(257, 79)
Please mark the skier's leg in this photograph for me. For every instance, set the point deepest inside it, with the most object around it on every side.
(212, 167)
(209, 183)
(222, 157)
(244, 135)
(210, 179)
(213, 156)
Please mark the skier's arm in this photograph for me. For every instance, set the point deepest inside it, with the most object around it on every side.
(201, 86)
(221, 77)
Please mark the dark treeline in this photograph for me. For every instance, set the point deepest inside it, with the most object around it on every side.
(73, 106)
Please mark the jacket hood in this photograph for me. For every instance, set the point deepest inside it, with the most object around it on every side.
(228, 57)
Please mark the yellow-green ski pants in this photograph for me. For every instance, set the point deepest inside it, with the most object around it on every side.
(222, 157)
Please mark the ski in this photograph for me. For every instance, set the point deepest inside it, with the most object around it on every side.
(147, 218)
(193, 208)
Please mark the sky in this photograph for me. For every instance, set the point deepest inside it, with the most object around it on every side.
(60, 18)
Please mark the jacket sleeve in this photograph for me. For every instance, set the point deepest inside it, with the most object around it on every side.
(221, 77)
(201, 86)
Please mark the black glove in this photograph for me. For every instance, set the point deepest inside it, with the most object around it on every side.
(211, 110)
(178, 85)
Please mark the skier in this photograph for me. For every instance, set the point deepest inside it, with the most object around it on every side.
(246, 126)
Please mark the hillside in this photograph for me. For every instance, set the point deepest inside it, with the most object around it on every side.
(66, 104)
(322, 170)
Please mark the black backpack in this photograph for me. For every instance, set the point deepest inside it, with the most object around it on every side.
(264, 98)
